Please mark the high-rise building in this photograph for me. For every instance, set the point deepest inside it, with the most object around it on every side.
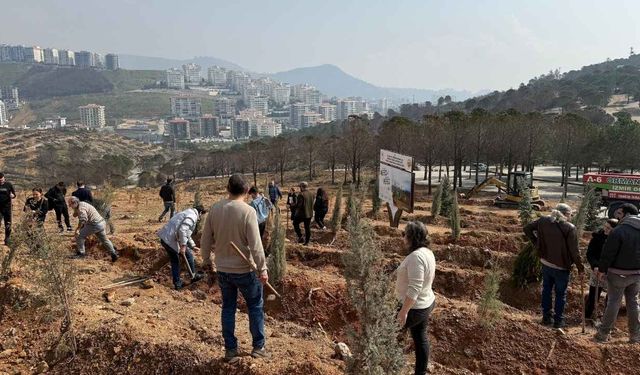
(192, 74)
(209, 126)
(239, 81)
(179, 129)
(312, 98)
(297, 110)
(9, 95)
(259, 103)
(111, 62)
(269, 128)
(217, 76)
(16, 53)
(175, 79)
(98, 60)
(185, 107)
(224, 107)
(33, 54)
(3, 114)
(92, 116)
(346, 108)
(281, 94)
(241, 128)
(67, 57)
(51, 56)
(85, 59)
(328, 111)
(383, 106)
(310, 119)
(5, 52)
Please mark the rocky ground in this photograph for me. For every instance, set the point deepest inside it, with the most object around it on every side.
(162, 331)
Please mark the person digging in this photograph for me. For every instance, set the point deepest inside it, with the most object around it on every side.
(90, 222)
(175, 238)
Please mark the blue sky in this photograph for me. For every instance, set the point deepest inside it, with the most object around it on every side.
(462, 44)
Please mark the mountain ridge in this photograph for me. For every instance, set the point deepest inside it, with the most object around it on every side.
(137, 62)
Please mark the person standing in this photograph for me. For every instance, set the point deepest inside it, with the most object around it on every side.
(37, 206)
(620, 263)
(262, 207)
(594, 250)
(292, 196)
(414, 290)
(175, 238)
(557, 244)
(56, 196)
(321, 207)
(168, 195)
(303, 213)
(274, 193)
(233, 220)
(7, 193)
(82, 193)
(90, 222)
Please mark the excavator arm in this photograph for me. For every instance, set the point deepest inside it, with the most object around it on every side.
(491, 181)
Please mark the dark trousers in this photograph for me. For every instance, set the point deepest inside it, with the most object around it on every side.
(307, 228)
(174, 257)
(554, 280)
(320, 215)
(62, 210)
(168, 207)
(5, 212)
(261, 227)
(592, 299)
(417, 323)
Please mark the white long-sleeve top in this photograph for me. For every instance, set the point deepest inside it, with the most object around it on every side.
(178, 230)
(415, 277)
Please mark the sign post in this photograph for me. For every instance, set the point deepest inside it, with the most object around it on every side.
(396, 182)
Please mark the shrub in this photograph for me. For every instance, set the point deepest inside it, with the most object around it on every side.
(446, 197)
(103, 205)
(375, 197)
(336, 215)
(586, 205)
(436, 205)
(527, 267)
(525, 206)
(373, 340)
(592, 221)
(277, 262)
(490, 307)
(454, 218)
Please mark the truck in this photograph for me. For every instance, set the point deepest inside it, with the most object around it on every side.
(615, 188)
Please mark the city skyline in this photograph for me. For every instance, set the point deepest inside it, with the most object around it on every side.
(418, 44)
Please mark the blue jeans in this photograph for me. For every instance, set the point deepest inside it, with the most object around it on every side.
(174, 257)
(168, 206)
(558, 281)
(251, 290)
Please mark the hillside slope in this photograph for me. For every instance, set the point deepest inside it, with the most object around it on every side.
(135, 62)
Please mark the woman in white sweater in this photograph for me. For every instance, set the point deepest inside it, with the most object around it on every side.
(413, 288)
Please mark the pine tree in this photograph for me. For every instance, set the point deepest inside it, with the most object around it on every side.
(454, 218)
(277, 263)
(373, 340)
(592, 221)
(527, 267)
(446, 198)
(489, 306)
(586, 205)
(525, 206)
(336, 215)
(350, 197)
(436, 205)
(375, 198)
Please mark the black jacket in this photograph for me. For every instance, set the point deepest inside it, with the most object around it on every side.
(6, 190)
(167, 193)
(55, 195)
(321, 205)
(622, 248)
(594, 250)
(39, 208)
(83, 194)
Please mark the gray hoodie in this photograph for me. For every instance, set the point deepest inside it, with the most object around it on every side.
(621, 253)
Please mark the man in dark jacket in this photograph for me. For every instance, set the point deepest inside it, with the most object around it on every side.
(7, 193)
(620, 262)
(168, 195)
(557, 244)
(303, 213)
(56, 196)
(274, 193)
(594, 250)
(83, 193)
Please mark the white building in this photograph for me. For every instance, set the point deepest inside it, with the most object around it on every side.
(217, 76)
(281, 94)
(328, 112)
(51, 56)
(175, 79)
(92, 116)
(346, 108)
(296, 112)
(259, 103)
(252, 123)
(185, 107)
(239, 81)
(3, 114)
(310, 119)
(383, 106)
(9, 95)
(312, 98)
(66, 57)
(269, 129)
(192, 74)
(33, 54)
(224, 107)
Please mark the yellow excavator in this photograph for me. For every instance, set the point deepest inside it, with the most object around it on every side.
(510, 192)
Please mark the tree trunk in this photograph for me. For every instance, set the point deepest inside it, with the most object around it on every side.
(440, 171)
(577, 172)
(430, 170)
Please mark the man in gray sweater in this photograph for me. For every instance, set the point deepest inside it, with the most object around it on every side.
(233, 220)
(90, 222)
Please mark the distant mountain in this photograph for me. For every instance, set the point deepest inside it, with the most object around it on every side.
(333, 81)
(134, 62)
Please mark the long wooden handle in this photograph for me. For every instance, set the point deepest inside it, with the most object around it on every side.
(184, 256)
(584, 319)
(254, 269)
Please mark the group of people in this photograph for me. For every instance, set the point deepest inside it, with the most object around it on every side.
(613, 255)
(38, 205)
(305, 207)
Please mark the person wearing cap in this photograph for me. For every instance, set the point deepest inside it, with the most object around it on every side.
(620, 263)
(175, 238)
(303, 213)
(557, 245)
(90, 222)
